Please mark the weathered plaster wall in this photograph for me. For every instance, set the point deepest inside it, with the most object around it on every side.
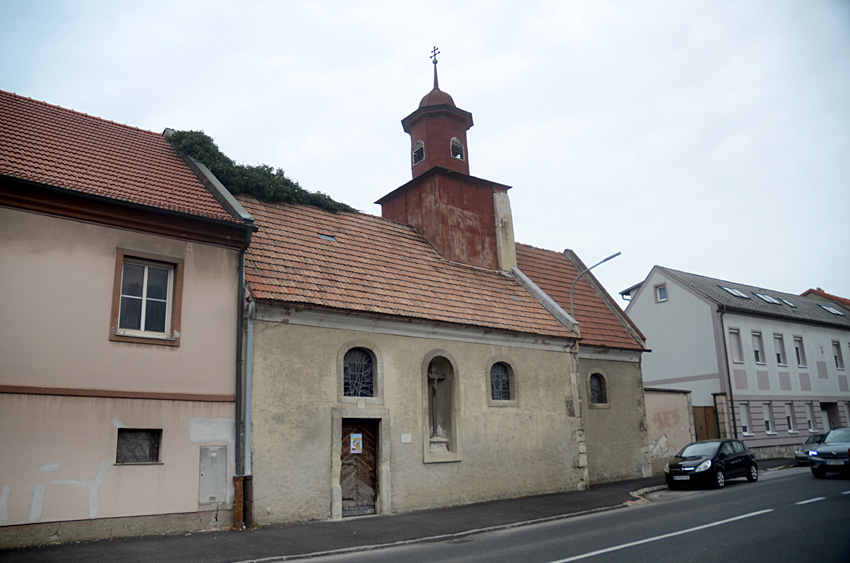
(58, 297)
(616, 432)
(529, 448)
(670, 425)
(59, 456)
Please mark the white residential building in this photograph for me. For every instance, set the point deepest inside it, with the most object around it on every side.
(779, 360)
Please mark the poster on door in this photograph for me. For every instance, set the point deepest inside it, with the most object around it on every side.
(357, 443)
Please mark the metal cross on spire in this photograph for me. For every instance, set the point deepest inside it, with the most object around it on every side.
(434, 52)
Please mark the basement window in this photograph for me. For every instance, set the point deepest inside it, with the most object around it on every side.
(138, 446)
(457, 149)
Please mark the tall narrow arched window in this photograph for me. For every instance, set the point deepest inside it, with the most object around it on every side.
(598, 392)
(500, 382)
(457, 149)
(418, 152)
(358, 373)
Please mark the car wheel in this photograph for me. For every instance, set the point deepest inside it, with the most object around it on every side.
(753, 474)
(720, 479)
(818, 472)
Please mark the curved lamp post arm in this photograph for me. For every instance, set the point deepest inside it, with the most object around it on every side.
(583, 273)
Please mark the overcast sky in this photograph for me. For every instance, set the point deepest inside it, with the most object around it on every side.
(707, 136)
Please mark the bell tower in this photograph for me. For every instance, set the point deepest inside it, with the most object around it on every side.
(438, 131)
(466, 219)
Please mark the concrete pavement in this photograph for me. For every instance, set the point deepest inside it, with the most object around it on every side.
(295, 541)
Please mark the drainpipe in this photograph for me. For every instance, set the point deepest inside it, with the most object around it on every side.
(722, 312)
(249, 386)
(238, 478)
(249, 383)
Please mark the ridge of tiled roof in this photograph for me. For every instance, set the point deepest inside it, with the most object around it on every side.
(48, 144)
(554, 273)
(378, 267)
(805, 309)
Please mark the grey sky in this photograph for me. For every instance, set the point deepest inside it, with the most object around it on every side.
(707, 136)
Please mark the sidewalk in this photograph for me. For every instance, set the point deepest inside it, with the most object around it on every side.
(287, 542)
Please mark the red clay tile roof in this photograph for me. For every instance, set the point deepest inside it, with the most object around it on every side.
(376, 266)
(554, 273)
(50, 145)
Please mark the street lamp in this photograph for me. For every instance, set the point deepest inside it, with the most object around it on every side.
(583, 273)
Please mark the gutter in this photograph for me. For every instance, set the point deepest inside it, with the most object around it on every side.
(722, 312)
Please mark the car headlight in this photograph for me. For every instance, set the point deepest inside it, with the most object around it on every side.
(667, 468)
(798, 452)
(703, 466)
(813, 452)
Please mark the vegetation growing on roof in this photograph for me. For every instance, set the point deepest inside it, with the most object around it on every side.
(262, 181)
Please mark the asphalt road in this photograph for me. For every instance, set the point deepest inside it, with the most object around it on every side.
(786, 516)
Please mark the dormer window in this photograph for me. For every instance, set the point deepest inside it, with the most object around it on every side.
(457, 149)
(418, 152)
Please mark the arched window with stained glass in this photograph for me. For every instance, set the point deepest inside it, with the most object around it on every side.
(359, 373)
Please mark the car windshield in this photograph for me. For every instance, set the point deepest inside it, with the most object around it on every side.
(693, 450)
(840, 435)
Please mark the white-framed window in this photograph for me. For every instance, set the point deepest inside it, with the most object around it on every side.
(837, 356)
(831, 309)
(661, 293)
(146, 299)
(768, 299)
(800, 351)
(768, 418)
(758, 347)
(418, 153)
(735, 345)
(457, 149)
(735, 292)
(789, 303)
(810, 417)
(789, 417)
(746, 426)
(779, 347)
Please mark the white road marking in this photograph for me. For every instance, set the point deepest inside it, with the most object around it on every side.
(810, 500)
(662, 537)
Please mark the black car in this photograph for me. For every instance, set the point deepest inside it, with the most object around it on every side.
(711, 463)
(801, 454)
(833, 454)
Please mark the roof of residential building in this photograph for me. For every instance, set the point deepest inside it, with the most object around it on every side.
(50, 145)
(819, 293)
(601, 323)
(761, 301)
(360, 263)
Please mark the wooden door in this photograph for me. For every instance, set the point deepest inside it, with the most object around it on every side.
(358, 474)
(705, 421)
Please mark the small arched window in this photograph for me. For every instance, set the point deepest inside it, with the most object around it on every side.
(598, 392)
(500, 382)
(418, 152)
(358, 373)
(457, 149)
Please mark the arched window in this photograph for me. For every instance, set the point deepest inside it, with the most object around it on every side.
(358, 373)
(598, 392)
(457, 149)
(418, 152)
(500, 382)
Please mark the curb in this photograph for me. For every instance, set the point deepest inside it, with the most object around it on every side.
(438, 538)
